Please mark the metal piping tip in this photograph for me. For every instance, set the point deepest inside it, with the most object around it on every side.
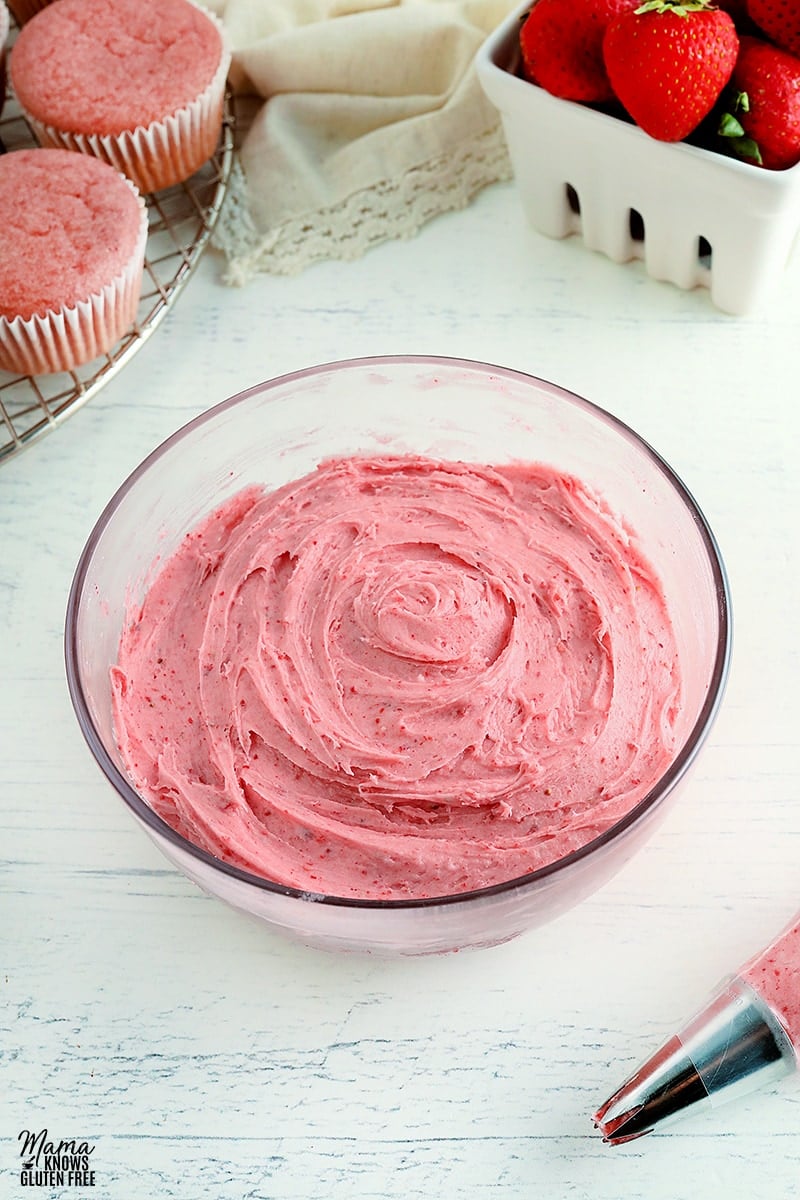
(661, 1088)
(731, 1047)
(612, 1125)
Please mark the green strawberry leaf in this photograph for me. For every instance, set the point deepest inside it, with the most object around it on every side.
(729, 127)
(745, 147)
(734, 139)
(681, 8)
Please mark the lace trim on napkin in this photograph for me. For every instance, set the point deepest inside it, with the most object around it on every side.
(389, 209)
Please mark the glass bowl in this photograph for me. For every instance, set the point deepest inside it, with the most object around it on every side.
(443, 408)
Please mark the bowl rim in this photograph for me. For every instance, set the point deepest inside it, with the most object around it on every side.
(649, 802)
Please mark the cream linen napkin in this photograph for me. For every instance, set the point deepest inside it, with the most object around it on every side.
(370, 121)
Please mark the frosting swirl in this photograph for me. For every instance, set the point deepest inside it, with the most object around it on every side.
(400, 677)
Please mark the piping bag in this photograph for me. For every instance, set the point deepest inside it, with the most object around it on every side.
(746, 1036)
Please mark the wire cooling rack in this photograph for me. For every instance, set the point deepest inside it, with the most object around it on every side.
(181, 220)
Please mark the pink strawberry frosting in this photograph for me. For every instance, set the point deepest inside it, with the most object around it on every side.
(775, 974)
(399, 677)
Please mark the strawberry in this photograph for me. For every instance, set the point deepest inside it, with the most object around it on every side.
(562, 47)
(668, 62)
(779, 20)
(764, 124)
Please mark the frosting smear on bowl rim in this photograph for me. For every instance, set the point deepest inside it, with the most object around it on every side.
(400, 677)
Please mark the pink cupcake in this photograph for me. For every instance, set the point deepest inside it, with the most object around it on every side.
(71, 259)
(139, 83)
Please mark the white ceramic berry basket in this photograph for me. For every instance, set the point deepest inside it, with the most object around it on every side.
(696, 218)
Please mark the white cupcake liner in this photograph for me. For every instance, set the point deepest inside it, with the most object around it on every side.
(164, 152)
(66, 337)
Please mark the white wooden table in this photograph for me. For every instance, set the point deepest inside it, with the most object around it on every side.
(203, 1056)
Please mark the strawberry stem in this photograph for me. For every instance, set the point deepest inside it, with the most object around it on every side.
(681, 8)
(737, 140)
